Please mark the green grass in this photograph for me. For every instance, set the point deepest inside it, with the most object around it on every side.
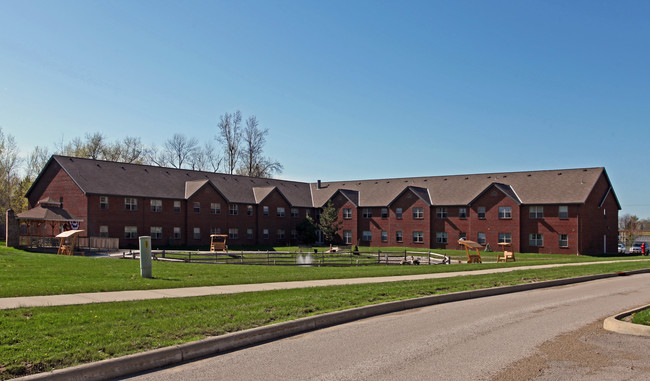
(27, 274)
(34, 340)
(642, 317)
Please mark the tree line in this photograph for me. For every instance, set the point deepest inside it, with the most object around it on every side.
(632, 226)
(237, 148)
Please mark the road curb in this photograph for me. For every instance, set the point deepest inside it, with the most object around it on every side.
(145, 361)
(616, 324)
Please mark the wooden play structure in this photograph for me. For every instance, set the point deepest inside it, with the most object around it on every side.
(68, 241)
(471, 258)
(507, 255)
(218, 243)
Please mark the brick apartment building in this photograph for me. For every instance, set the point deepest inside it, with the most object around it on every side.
(558, 211)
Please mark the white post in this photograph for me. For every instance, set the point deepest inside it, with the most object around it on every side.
(145, 257)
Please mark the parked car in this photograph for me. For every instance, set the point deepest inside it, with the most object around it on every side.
(636, 248)
(621, 248)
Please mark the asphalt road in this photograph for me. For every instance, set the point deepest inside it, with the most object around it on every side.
(526, 335)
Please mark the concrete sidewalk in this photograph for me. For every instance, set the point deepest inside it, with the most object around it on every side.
(119, 296)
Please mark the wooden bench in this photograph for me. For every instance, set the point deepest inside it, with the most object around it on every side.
(507, 256)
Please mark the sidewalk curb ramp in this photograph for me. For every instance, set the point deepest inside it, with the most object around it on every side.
(617, 324)
(157, 358)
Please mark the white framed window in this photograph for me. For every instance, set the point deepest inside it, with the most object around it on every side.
(249, 233)
(130, 232)
(505, 237)
(367, 213)
(367, 235)
(418, 237)
(265, 233)
(280, 211)
(155, 205)
(215, 208)
(564, 240)
(177, 206)
(347, 237)
(462, 213)
(197, 207)
(384, 213)
(103, 202)
(233, 233)
(294, 212)
(536, 239)
(536, 212)
(197, 233)
(103, 231)
(441, 212)
(384, 236)
(266, 210)
(280, 234)
(399, 237)
(563, 211)
(505, 212)
(441, 237)
(398, 213)
(249, 210)
(233, 209)
(294, 234)
(480, 212)
(418, 213)
(156, 232)
(177, 232)
(347, 213)
(130, 203)
(213, 230)
(480, 238)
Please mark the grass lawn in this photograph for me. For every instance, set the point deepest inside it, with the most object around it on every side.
(642, 317)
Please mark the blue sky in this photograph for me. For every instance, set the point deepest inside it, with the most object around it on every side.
(347, 89)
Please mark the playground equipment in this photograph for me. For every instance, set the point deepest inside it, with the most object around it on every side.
(218, 243)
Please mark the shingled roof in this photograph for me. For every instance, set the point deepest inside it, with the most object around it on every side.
(567, 186)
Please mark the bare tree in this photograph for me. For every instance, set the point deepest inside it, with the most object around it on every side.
(229, 134)
(36, 162)
(9, 180)
(254, 163)
(179, 149)
(129, 150)
(206, 158)
(95, 146)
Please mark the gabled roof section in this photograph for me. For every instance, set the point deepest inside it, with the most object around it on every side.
(351, 195)
(421, 193)
(503, 188)
(192, 187)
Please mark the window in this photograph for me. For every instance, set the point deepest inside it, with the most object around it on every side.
(307, 213)
(462, 235)
(103, 231)
(505, 212)
(563, 211)
(367, 235)
(233, 209)
(480, 211)
(536, 212)
(249, 233)
(156, 232)
(441, 212)
(215, 208)
(505, 237)
(347, 213)
(155, 205)
(384, 236)
(398, 213)
(197, 207)
(266, 233)
(233, 233)
(249, 210)
(441, 237)
(535, 239)
(480, 238)
(280, 234)
(213, 230)
(280, 212)
(294, 234)
(347, 237)
(266, 210)
(367, 213)
(294, 212)
(418, 213)
(197, 233)
(177, 232)
(384, 213)
(130, 232)
(131, 203)
(177, 206)
(564, 240)
(103, 202)
(462, 213)
(398, 236)
(418, 237)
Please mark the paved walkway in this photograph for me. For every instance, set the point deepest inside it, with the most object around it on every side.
(119, 296)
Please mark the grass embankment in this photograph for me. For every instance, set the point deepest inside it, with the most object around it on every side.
(33, 340)
(642, 317)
